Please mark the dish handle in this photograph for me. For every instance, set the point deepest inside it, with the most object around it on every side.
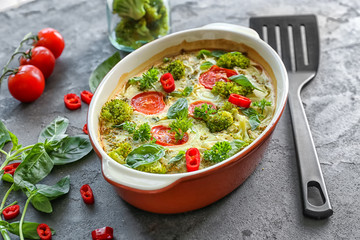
(232, 27)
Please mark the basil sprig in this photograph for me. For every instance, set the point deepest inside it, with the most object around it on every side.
(144, 155)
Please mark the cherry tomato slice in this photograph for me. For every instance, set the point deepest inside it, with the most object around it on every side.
(72, 101)
(51, 39)
(10, 169)
(86, 96)
(192, 157)
(168, 83)
(215, 74)
(193, 105)
(40, 57)
(148, 102)
(27, 84)
(44, 231)
(164, 137)
(239, 100)
(11, 212)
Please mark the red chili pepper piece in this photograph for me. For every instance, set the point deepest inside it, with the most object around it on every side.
(87, 194)
(239, 100)
(72, 101)
(102, 233)
(192, 156)
(10, 169)
(85, 129)
(86, 96)
(44, 231)
(168, 83)
(11, 212)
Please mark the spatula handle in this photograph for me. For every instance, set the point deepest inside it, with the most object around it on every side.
(309, 166)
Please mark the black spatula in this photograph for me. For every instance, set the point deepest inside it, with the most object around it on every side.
(296, 39)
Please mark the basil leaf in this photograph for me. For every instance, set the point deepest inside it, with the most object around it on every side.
(206, 65)
(15, 142)
(242, 80)
(34, 167)
(145, 154)
(217, 53)
(55, 130)
(236, 146)
(62, 187)
(4, 224)
(178, 157)
(71, 149)
(4, 135)
(187, 91)
(179, 109)
(41, 203)
(7, 178)
(28, 228)
(253, 116)
(100, 71)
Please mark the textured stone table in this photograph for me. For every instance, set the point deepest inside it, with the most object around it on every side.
(267, 205)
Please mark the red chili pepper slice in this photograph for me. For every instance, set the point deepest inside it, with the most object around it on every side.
(192, 157)
(44, 231)
(10, 169)
(239, 100)
(102, 233)
(72, 101)
(86, 96)
(11, 212)
(85, 129)
(168, 83)
(87, 194)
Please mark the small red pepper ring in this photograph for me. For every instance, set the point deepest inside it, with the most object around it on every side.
(87, 194)
(192, 157)
(168, 83)
(102, 233)
(85, 129)
(72, 101)
(11, 212)
(10, 169)
(86, 96)
(239, 100)
(44, 231)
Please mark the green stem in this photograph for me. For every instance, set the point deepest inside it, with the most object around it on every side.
(2, 151)
(23, 216)
(6, 196)
(5, 234)
(13, 156)
(8, 206)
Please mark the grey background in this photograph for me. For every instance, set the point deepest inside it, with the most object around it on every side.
(267, 205)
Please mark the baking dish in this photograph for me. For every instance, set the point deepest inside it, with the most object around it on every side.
(175, 193)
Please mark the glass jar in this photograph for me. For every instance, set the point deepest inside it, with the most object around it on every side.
(133, 23)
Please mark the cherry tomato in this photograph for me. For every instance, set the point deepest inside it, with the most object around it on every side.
(86, 96)
(27, 84)
(168, 83)
(193, 105)
(40, 57)
(215, 74)
(164, 137)
(148, 102)
(72, 101)
(51, 39)
(239, 100)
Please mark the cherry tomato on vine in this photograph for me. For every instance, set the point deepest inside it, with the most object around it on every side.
(40, 57)
(27, 83)
(51, 39)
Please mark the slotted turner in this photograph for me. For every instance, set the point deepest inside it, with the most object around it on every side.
(296, 40)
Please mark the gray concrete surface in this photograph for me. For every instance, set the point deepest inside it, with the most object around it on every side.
(267, 205)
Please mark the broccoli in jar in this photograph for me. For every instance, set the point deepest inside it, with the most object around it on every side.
(116, 111)
(233, 59)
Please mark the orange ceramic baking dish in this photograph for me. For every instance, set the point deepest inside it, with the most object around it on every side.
(176, 193)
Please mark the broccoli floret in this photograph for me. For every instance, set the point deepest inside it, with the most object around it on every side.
(120, 153)
(157, 18)
(116, 111)
(219, 152)
(156, 167)
(233, 59)
(134, 9)
(219, 121)
(177, 69)
(224, 89)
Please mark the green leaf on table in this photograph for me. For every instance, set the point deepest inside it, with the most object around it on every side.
(29, 229)
(100, 71)
(36, 165)
(179, 109)
(242, 80)
(4, 135)
(7, 178)
(41, 203)
(71, 149)
(55, 130)
(4, 224)
(62, 187)
(145, 154)
(15, 142)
